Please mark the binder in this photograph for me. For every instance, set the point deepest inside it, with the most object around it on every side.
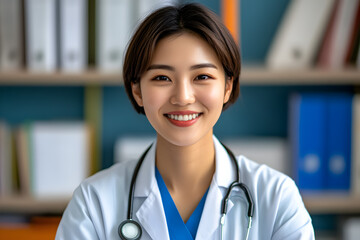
(343, 23)
(339, 120)
(59, 158)
(355, 161)
(41, 35)
(299, 35)
(11, 46)
(115, 21)
(307, 117)
(73, 35)
(145, 7)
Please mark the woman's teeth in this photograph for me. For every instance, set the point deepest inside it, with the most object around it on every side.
(183, 117)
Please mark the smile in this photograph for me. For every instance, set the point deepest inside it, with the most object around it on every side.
(183, 118)
(187, 117)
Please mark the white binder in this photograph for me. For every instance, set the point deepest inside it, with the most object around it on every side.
(145, 7)
(73, 35)
(41, 35)
(60, 158)
(11, 56)
(301, 30)
(115, 21)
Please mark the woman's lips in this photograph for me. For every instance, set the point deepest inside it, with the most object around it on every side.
(183, 118)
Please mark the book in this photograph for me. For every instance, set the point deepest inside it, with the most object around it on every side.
(230, 15)
(11, 46)
(307, 118)
(59, 158)
(6, 168)
(340, 36)
(338, 141)
(23, 159)
(298, 37)
(351, 229)
(73, 35)
(131, 148)
(41, 35)
(354, 40)
(270, 151)
(355, 180)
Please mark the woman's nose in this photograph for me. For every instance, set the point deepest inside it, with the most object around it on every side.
(183, 94)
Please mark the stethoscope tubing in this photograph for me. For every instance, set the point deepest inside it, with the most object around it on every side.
(235, 184)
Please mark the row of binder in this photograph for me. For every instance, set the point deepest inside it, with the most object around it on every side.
(321, 33)
(47, 35)
(324, 132)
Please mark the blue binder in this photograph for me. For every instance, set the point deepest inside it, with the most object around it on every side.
(339, 121)
(308, 114)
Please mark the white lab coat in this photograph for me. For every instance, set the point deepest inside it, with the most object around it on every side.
(100, 204)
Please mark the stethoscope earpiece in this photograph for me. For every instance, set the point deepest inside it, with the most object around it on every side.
(129, 230)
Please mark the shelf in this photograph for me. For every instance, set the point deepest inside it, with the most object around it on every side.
(29, 205)
(249, 76)
(332, 203)
(320, 203)
(89, 77)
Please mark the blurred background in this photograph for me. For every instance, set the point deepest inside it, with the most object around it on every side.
(64, 113)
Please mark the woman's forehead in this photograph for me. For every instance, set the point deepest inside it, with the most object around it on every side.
(188, 47)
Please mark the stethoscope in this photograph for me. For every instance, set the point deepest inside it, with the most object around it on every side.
(130, 229)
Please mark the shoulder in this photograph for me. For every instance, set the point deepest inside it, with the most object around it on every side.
(277, 200)
(111, 178)
(262, 176)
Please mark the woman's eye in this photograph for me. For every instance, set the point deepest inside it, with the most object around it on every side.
(203, 77)
(161, 78)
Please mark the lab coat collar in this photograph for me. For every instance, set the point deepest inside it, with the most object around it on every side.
(225, 172)
(152, 211)
(223, 177)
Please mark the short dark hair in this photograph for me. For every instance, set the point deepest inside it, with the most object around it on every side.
(170, 20)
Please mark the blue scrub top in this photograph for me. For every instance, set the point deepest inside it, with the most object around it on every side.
(176, 226)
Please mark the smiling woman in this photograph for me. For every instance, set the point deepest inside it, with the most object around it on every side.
(182, 70)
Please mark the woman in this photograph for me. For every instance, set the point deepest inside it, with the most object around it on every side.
(182, 70)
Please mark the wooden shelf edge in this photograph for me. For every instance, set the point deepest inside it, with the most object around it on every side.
(249, 76)
(31, 205)
(332, 203)
(89, 77)
(321, 203)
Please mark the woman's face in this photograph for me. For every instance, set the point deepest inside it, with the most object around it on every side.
(183, 90)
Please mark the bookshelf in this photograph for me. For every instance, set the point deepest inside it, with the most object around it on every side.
(249, 76)
(317, 203)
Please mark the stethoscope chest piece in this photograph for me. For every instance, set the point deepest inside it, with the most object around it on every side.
(129, 230)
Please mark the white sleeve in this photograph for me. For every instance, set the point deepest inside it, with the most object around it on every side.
(76, 221)
(292, 221)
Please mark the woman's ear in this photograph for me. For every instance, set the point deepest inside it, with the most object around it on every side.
(136, 92)
(228, 88)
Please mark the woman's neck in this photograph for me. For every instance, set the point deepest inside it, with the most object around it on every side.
(189, 167)
(187, 171)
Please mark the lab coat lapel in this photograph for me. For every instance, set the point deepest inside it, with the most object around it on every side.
(224, 175)
(150, 213)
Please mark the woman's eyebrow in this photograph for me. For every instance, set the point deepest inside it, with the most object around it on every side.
(161, 66)
(203, 65)
(170, 68)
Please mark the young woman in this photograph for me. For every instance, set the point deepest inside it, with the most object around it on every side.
(182, 70)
